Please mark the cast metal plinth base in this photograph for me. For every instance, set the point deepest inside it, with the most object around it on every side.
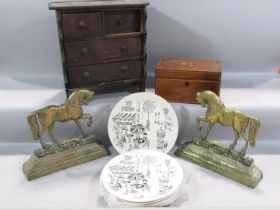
(65, 155)
(247, 175)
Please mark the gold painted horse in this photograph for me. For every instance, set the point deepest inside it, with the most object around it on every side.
(218, 113)
(70, 110)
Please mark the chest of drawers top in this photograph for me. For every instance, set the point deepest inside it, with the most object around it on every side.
(66, 5)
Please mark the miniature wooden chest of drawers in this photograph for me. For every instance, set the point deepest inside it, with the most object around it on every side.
(102, 44)
(178, 80)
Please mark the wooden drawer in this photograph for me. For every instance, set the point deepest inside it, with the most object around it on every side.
(102, 44)
(180, 90)
(122, 21)
(88, 52)
(104, 72)
(81, 25)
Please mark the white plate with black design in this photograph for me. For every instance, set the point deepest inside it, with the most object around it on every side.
(142, 176)
(143, 121)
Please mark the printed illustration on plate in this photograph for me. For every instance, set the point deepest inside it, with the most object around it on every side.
(143, 123)
(142, 176)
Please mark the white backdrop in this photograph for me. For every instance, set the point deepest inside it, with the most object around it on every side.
(243, 34)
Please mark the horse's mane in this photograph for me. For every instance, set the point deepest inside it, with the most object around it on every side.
(212, 95)
(72, 97)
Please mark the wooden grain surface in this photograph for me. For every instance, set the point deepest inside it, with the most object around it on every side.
(179, 79)
(118, 22)
(188, 69)
(78, 75)
(184, 91)
(81, 26)
(87, 52)
(96, 4)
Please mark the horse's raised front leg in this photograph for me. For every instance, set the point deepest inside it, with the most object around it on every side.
(198, 120)
(210, 126)
(89, 117)
(80, 127)
(236, 137)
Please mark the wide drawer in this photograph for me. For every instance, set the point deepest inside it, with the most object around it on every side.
(81, 26)
(122, 21)
(184, 91)
(104, 72)
(87, 52)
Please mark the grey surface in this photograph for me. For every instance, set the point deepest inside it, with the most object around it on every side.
(243, 35)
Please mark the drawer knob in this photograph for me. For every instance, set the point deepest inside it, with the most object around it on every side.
(84, 50)
(187, 83)
(120, 22)
(83, 23)
(123, 69)
(86, 74)
(123, 47)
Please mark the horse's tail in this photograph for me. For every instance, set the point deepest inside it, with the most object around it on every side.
(33, 123)
(253, 130)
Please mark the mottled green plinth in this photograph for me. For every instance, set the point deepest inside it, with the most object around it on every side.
(247, 174)
(61, 156)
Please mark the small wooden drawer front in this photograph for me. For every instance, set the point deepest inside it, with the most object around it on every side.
(104, 72)
(88, 52)
(122, 21)
(184, 91)
(81, 26)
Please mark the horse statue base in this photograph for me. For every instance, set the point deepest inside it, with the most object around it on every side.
(57, 157)
(222, 160)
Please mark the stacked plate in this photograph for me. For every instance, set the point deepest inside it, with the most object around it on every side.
(142, 177)
(142, 127)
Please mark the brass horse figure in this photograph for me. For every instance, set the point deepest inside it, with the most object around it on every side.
(218, 113)
(70, 110)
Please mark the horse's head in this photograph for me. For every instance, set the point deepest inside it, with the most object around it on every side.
(201, 98)
(85, 96)
(79, 97)
(207, 98)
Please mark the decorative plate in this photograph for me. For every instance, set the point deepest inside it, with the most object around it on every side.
(143, 121)
(142, 176)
